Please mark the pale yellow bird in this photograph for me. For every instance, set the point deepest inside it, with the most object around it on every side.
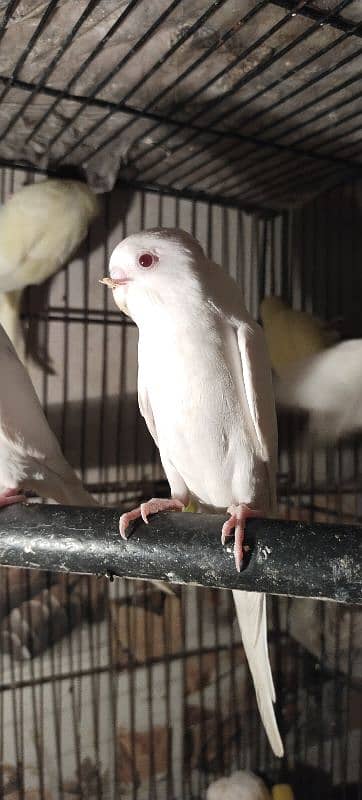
(41, 226)
(292, 335)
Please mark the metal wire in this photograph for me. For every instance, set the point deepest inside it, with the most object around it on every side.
(263, 66)
(202, 142)
(160, 95)
(67, 41)
(99, 47)
(225, 119)
(158, 64)
(84, 669)
(46, 16)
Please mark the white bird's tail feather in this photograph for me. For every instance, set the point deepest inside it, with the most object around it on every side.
(251, 614)
(67, 491)
(73, 495)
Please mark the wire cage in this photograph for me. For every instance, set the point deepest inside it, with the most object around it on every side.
(238, 122)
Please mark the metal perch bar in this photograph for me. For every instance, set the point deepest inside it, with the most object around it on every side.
(282, 557)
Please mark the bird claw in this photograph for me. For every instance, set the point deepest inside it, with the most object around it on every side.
(238, 516)
(11, 496)
(152, 506)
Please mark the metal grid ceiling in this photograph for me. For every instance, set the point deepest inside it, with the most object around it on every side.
(253, 103)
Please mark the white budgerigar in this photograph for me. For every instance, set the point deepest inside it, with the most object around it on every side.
(327, 385)
(205, 391)
(30, 456)
(41, 226)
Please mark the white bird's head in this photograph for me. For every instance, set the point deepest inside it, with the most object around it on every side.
(155, 266)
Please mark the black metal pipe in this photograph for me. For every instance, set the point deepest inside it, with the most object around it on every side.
(282, 557)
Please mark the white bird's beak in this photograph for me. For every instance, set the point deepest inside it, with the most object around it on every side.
(113, 283)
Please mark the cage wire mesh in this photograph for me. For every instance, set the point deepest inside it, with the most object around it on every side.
(112, 690)
(256, 103)
(202, 109)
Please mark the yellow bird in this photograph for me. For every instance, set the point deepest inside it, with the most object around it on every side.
(292, 335)
(41, 226)
(282, 791)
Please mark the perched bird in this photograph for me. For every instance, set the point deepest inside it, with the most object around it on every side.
(41, 225)
(328, 386)
(292, 335)
(205, 390)
(241, 785)
(30, 456)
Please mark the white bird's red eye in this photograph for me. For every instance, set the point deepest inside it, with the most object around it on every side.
(146, 260)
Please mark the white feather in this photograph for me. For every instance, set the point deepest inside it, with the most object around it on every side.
(30, 456)
(241, 785)
(328, 386)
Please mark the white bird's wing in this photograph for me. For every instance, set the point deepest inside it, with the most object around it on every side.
(260, 396)
(21, 415)
(26, 435)
(227, 299)
(145, 408)
(147, 413)
(251, 606)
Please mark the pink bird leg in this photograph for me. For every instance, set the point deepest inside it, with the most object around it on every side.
(152, 506)
(10, 496)
(239, 515)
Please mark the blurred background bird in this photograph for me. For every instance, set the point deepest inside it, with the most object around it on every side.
(30, 456)
(31, 460)
(328, 386)
(241, 785)
(41, 226)
(292, 335)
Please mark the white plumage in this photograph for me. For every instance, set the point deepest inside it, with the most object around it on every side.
(328, 386)
(41, 225)
(205, 391)
(241, 785)
(30, 456)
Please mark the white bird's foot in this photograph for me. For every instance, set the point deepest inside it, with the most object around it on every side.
(239, 515)
(151, 507)
(10, 496)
